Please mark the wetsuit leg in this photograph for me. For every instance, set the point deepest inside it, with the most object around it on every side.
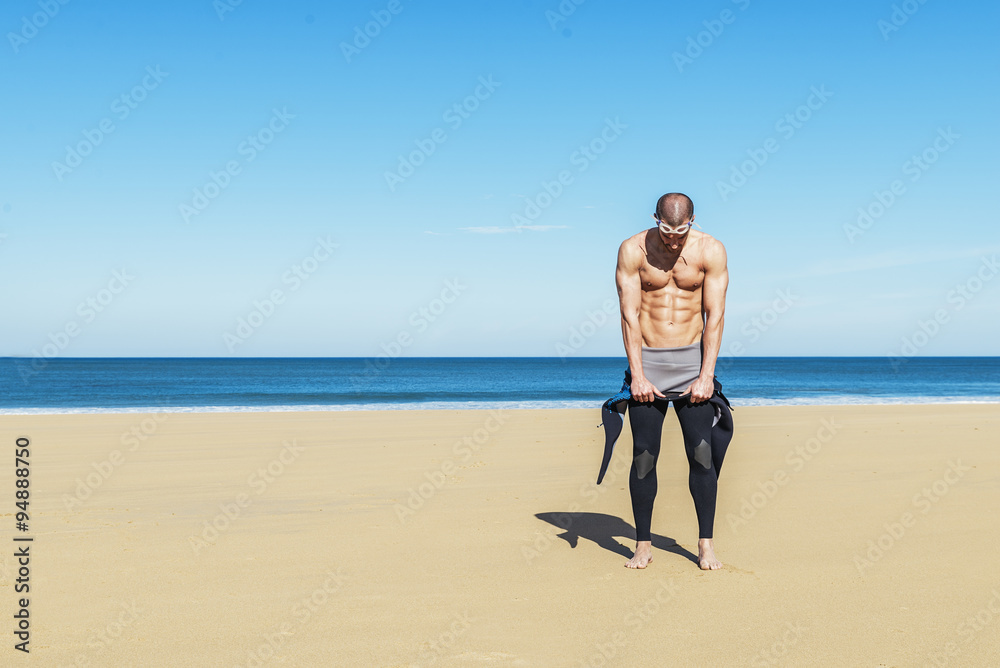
(646, 421)
(704, 459)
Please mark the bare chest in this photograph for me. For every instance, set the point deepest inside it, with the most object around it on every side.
(682, 273)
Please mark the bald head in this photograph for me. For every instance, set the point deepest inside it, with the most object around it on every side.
(674, 208)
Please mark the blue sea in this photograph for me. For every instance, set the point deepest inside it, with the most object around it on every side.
(95, 385)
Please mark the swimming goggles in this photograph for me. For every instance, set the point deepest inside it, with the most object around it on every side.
(667, 229)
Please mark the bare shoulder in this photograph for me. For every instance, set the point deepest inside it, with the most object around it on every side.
(713, 252)
(632, 250)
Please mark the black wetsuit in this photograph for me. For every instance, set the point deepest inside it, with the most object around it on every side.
(707, 429)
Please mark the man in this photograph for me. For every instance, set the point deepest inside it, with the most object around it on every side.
(672, 283)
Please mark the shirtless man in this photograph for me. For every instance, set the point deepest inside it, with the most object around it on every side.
(672, 283)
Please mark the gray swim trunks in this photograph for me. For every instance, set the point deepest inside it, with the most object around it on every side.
(671, 370)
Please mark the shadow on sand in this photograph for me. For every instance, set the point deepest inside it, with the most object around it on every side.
(603, 529)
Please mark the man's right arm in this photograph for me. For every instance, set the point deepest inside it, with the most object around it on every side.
(630, 300)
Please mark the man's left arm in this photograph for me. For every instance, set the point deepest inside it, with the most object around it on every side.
(713, 308)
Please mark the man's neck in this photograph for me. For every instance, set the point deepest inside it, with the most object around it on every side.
(680, 245)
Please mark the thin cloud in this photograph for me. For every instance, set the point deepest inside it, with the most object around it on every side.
(497, 229)
(542, 228)
(492, 229)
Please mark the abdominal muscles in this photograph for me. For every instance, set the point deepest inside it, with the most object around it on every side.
(670, 317)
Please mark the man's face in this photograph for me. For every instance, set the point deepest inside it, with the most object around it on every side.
(671, 236)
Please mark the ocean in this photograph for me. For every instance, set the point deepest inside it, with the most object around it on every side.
(120, 385)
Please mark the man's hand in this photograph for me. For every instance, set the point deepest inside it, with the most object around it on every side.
(644, 391)
(701, 390)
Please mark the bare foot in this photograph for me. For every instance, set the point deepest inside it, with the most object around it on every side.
(706, 555)
(643, 555)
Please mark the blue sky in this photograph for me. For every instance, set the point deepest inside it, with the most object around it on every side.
(216, 154)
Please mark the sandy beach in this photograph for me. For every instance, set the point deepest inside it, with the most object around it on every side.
(851, 536)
